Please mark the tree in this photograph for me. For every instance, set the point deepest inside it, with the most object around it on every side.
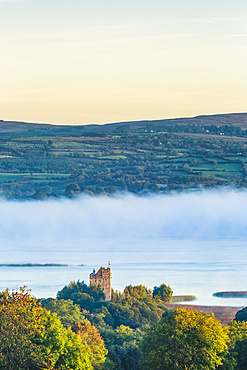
(187, 168)
(137, 291)
(86, 297)
(68, 312)
(72, 189)
(124, 348)
(20, 326)
(135, 307)
(184, 340)
(91, 338)
(236, 355)
(62, 347)
(32, 338)
(241, 315)
(163, 292)
(71, 317)
(40, 194)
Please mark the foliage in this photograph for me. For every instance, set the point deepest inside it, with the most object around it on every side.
(94, 343)
(184, 340)
(33, 338)
(68, 312)
(124, 357)
(21, 325)
(236, 355)
(87, 297)
(63, 335)
(63, 346)
(135, 307)
(123, 347)
(163, 292)
(71, 317)
(121, 322)
(241, 315)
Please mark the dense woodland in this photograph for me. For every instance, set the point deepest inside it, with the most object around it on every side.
(80, 330)
(39, 161)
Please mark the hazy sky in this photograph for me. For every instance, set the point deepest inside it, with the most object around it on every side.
(97, 61)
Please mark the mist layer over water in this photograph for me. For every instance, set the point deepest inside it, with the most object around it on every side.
(196, 242)
(202, 215)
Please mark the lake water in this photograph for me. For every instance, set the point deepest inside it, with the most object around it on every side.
(198, 268)
(196, 243)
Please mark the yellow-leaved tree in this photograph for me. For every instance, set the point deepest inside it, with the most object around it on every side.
(185, 339)
(33, 338)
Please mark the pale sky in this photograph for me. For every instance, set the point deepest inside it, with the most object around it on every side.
(98, 61)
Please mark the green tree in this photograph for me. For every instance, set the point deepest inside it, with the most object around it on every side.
(123, 348)
(241, 315)
(68, 312)
(184, 340)
(71, 317)
(163, 292)
(32, 338)
(63, 348)
(236, 355)
(70, 291)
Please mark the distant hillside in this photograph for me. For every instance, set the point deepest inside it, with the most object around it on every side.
(43, 160)
(235, 119)
(24, 128)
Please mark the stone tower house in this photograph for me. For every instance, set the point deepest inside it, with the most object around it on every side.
(103, 278)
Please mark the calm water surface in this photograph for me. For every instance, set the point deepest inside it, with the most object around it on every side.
(192, 267)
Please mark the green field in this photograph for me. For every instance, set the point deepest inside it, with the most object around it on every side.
(120, 157)
(229, 167)
(113, 157)
(6, 177)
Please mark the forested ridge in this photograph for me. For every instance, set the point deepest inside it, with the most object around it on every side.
(38, 161)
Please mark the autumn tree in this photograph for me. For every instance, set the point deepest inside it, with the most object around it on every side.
(184, 340)
(93, 341)
(71, 317)
(20, 327)
(33, 338)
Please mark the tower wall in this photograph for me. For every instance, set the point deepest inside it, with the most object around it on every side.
(103, 278)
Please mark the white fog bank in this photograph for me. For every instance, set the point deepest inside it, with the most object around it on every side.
(200, 215)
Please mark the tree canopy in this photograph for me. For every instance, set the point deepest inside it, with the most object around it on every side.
(68, 312)
(62, 335)
(241, 315)
(33, 338)
(236, 355)
(121, 322)
(184, 340)
(163, 292)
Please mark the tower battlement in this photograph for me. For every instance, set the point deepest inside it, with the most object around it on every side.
(103, 278)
